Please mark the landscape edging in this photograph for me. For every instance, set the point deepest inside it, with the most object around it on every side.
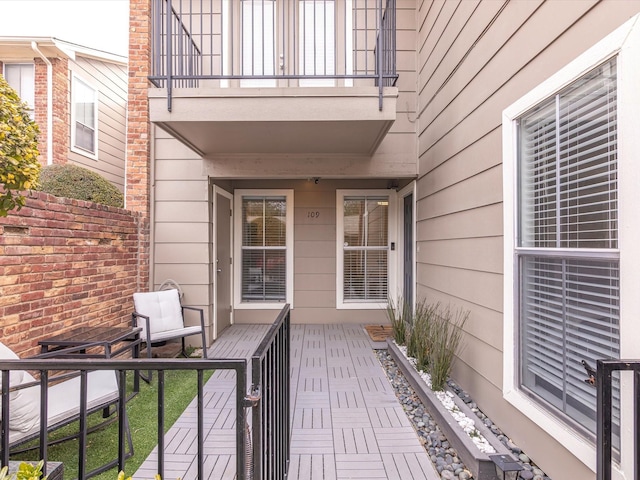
(475, 460)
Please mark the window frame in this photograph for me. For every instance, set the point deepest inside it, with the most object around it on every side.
(624, 43)
(392, 237)
(75, 148)
(238, 195)
(31, 107)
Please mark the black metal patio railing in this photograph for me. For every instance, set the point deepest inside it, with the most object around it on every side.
(605, 425)
(270, 372)
(214, 43)
(268, 398)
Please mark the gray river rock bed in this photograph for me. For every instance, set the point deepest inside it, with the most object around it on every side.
(452, 452)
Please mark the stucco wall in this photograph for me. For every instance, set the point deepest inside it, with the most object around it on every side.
(65, 263)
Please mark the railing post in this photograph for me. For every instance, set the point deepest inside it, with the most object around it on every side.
(380, 51)
(603, 426)
(169, 54)
(4, 420)
(241, 424)
(636, 421)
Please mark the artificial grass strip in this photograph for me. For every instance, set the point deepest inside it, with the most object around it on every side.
(102, 446)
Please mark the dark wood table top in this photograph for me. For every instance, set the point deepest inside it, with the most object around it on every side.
(86, 335)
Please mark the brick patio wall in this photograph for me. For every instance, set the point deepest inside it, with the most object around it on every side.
(65, 263)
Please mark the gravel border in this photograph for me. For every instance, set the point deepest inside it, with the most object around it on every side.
(445, 458)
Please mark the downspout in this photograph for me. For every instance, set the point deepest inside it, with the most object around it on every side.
(34, 46)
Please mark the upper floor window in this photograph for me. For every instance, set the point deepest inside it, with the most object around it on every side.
(265, 232)
(84, 118)
(21, 77)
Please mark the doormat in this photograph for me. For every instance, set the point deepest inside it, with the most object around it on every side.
(379, 333)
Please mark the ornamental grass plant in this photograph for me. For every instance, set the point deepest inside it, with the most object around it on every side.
(432, 334)
(399, 313)
(445, 340)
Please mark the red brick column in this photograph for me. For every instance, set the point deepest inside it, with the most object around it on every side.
(61, 114)
(139, 128)
(61, 99)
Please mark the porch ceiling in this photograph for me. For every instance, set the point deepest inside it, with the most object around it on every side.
(343, 120)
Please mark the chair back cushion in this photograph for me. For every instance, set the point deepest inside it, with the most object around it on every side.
(163, 309)
(24, 405)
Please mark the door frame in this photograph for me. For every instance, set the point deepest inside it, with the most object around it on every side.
(215, 192)
(402, 194)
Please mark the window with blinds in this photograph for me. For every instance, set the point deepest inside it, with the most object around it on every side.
(258, 37)
(317, 26)
(85, 110)
(264, 249)
(21, 77)
(567, 248)
(365, 250)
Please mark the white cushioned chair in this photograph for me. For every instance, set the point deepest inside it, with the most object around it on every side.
(161, 317)
(63, 400)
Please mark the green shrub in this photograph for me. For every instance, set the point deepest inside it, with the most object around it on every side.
(72, 181)
(19, 165)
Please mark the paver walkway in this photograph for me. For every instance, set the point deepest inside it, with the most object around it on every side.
(346, 422)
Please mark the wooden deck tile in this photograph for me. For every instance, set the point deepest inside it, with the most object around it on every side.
(346, 420)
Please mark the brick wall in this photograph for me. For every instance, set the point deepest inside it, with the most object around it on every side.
(65, 263)
(139, 127)
(61, 119)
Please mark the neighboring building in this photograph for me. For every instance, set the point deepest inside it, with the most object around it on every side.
(497, 174)
(78, 98)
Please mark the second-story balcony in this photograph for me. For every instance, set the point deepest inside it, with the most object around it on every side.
(274, 76)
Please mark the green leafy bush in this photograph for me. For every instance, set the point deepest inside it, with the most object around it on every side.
(26, 471)
(19, 165)
(72, 181)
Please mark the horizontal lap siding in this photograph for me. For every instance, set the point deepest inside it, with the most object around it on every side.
(181, 236)
(475, 59)
(111, 82)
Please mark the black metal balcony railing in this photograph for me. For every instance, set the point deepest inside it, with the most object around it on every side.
(268, 398)
(199, 43)
(605, 425)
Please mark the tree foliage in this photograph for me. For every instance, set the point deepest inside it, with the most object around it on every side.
(19, 167)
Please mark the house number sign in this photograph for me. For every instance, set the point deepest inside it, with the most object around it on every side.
(313, 214)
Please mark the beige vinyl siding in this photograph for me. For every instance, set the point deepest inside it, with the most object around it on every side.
(110, 79)
(475, 59)
(180, 240)
(182, 235)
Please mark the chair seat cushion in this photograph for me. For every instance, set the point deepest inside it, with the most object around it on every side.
(64, 400)
(171, 334)
(24, 405)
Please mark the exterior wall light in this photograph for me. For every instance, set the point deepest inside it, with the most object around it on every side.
(507, 467)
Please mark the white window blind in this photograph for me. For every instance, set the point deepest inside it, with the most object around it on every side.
(567, 248)
(264, 249)
(258, 41)
(85, 114)
(21, 77)
(366, 227)
(318, 35)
